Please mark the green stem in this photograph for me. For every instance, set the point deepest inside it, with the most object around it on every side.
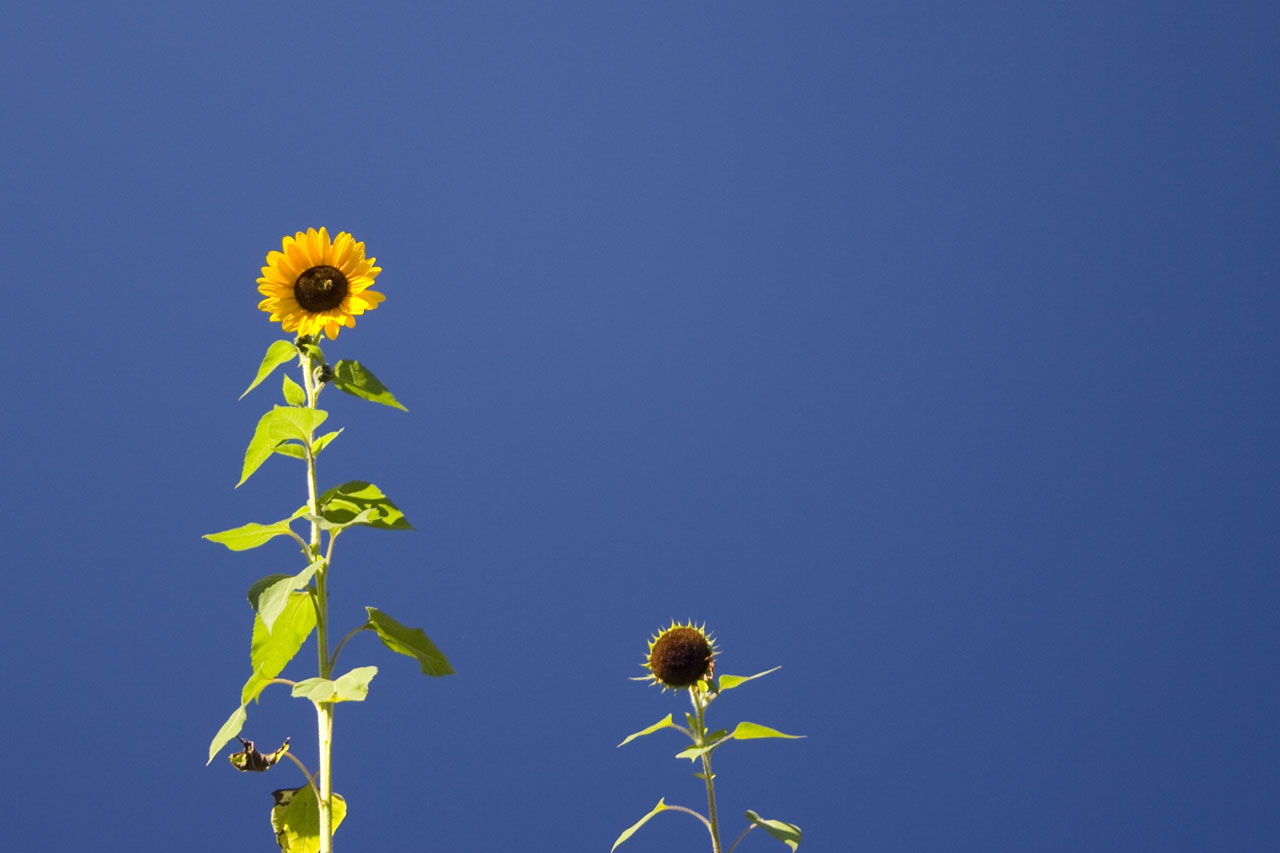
(324, 711)
(700, 709)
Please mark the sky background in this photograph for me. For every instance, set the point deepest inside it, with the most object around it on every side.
(927, 351)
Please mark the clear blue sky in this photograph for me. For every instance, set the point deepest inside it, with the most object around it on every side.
(926, 350)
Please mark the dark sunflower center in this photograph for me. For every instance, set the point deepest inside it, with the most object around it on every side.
(681, 657)
(320, 288)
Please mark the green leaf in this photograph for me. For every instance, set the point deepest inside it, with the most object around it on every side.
(309, 348)
(272, 650)
(358, 381)
(255, 591)
(409, 641)
(272, 600)
(250, 535)
(660, 807)
(293, 393)
(277, 425)
(665, 723)
(364, 516)
(323, 441)
(788, 833)
(290, 448)
(295, 817)
(693, 752)
(751, 731)
(343, 503)
(229, 729)
(277, 354)
(352, 687)
(728, 682)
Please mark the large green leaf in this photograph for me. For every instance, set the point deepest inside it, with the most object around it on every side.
(342, 504)
(788, 833)
(229, 729)
(750, 731)
(665, 723)
(295, 817)
(631, 830)
(728, 682)
(358, 381)
(272, 600)
(272, 650)
(250, 535)
(260, 586)
(277, 425)
(277, 354)
(409, 641)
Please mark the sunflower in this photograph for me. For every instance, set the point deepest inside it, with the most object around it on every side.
(314, 284)
(680, 656)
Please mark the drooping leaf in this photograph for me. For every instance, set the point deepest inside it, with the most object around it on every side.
(728, 682)
(631, 830)
(315, 689)
(358, 381)
(293, 393)
(409, 641)
(665, 723)
(343, 503)
(295, 817)
(229, 730)
(788, 833)
(751, 731)
(272, 650)
(277, 425)
(364, 516)
(277, 354)
(250, 535)
(272, 600)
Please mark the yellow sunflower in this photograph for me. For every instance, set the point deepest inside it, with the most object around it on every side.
(314, 284)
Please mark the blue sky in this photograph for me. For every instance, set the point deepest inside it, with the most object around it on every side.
(926, 351)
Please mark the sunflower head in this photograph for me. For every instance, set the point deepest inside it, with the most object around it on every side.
(314, 284)
(680, 656)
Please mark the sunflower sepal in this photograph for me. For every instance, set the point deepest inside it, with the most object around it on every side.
(280, 352)
(310, 350)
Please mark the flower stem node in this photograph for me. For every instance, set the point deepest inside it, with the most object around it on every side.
(681, 656)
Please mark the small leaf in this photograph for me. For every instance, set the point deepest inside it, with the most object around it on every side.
(660, 807)
(358, 381)
(728, 682)
(272, 600)
(277, 354)
(309, 348)
(316, 689)
(295, 817)
(354, 686)
(364, 516)
(693, 752)
(293, 393)
(343, 503)
(277, 425)
(272, 650)
(323, 441)
(250, 535)
(664, 723)
(255, 591)
(788, 833)
(409, 641)
(290, 448)
(750, 731)
(229, 729)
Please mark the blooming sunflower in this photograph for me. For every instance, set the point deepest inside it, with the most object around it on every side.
(314, 284)
(680, 656)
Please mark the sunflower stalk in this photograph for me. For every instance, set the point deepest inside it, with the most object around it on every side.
(313, 286)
